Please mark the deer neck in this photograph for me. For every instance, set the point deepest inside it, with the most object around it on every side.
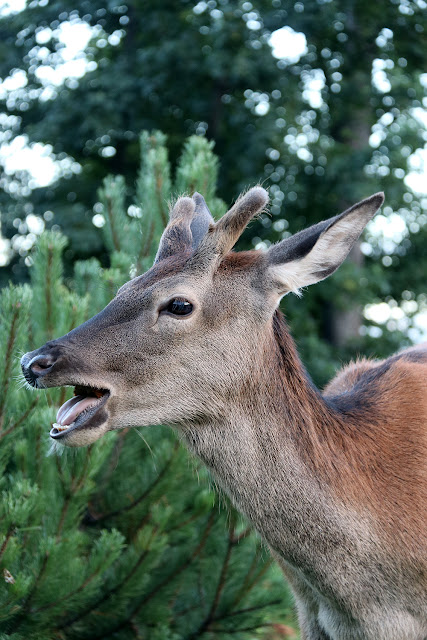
(260, 450)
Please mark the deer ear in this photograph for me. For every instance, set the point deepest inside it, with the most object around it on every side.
(201, 221)
(223, 235)
(313, 254)
(177, 236)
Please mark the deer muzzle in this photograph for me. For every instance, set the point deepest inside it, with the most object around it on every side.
(83, 418)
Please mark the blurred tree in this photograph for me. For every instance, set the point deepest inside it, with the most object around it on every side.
(176, 66)
(119, 540)
(366, 61)
(323, 128)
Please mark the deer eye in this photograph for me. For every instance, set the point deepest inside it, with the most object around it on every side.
(179, 307)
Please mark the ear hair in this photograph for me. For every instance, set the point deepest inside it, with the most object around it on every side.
(313, 254)
(224, 234)
(234, 222)
(177, 236)
(201, 221)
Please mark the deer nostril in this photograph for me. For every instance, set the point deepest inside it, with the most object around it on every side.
(40, 364)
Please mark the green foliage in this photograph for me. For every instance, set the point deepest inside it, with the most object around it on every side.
(132, 230)
(126, 538)
(166, 73)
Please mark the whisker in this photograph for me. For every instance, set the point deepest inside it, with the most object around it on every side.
(148, 447)
(55, 449)
(21, 382)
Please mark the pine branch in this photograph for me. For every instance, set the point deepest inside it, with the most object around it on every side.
(38, 455)
(115, 455)
(26, 605)
(20, 420)
(146, 246)
(183, 523)
(48, 292)
(61, 475)
(145, 494)
(111, 219)
(255, 627)
(240, 612)
(134, 628)
(183, 566)
(221, 583)
(8, 360)
(63, 515)
(159, 189)
(9, 534)
(248, 585)
(69, 595)
(220, 586)
(75, 486)
(108, 594)
(165, 581)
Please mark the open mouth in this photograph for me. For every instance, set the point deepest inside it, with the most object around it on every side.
(79, 410)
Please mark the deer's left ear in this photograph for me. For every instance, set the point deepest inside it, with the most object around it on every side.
(313, 254)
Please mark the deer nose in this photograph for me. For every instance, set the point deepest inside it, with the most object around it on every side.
(41, 365)
(36, 367)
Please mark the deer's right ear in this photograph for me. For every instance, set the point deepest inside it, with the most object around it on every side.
(313, 254)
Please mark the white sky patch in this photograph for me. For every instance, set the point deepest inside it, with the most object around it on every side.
(258, 102)
(383, 37)
(35, 224)
(398, 317)
(56, 75)
(75, 35)
(314, 82)
(379, 75)
(18, 155)
(379, 313)
(37, 159)
(262, 108)
(379, 129)
(390, 227)
(419, 333)
(288, 45)
(5, 251)
(417, 178)
(17, 80)
(419, 113)
(13, 6)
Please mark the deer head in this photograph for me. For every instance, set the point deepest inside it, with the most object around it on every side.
(177, 343)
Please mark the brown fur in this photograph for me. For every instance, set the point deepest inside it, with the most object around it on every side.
(363, 439)
(242, 261)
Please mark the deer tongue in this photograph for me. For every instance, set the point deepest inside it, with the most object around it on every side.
(74, 407)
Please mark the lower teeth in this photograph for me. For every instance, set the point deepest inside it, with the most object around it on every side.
(60, 427)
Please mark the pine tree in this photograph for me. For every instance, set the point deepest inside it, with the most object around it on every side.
(126, 538)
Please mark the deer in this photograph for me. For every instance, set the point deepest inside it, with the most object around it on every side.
(335, 482)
